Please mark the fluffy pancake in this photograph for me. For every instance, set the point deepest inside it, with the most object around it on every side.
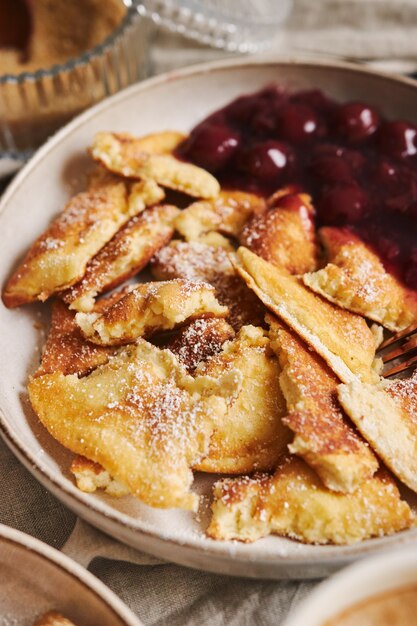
(285, 234)
(195, 260)
(150, 308)
(251, 435)
(323, 436)
(386, 415)
(199, 340)
(191, 260)
(227, 213)
(66, 349)
(294, 503)
(140, 416)
(355, 279)
(140, 194)
(124, 256)
(124, 154)
(91, 476)
(59, 257)
(342, 338)
(163, 142)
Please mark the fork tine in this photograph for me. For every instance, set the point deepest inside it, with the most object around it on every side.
(401, 352)
(397, 338)
(400, 368)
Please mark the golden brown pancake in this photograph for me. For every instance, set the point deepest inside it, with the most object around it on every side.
(386, 415)
(195, 260)
(342, 338)
(294, 503)
(227, 213)
(251, 435)
(90, 476)
(124, 154)
(199, 340)
(124, 256)
(140, 416)
(66, 350)
(150, 308)
(356, 280)
(59, 257)
(164, 142)
(324, 438)
(284, 235)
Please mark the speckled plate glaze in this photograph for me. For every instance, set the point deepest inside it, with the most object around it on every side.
(174, 101)
(35, 579)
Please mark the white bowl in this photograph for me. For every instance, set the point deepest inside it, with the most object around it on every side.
(177, 100)
(362, 581)
(35, 579)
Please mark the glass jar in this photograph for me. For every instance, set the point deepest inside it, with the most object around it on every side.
(33, 105)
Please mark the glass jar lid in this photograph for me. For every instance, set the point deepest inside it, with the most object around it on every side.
(234, 25)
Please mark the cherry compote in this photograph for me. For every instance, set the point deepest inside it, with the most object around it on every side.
(360, 168)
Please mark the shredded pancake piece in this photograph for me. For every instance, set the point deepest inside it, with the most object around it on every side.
(342, 338)
(199, 340)
(164, 142)
(140, 416)
(124, 256)
(294, 503)
(386, 416)
(66, 350)
(91, 476)
(323, 436)
(195, 260)
(355, 279)
(284, 235)
(227, 214)
(124, 154)
(150, 308)
(59, 257)
(251, 435)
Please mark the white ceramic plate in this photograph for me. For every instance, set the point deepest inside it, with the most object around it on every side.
(35, 579)
(175, 101)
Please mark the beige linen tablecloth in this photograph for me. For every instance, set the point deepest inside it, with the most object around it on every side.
(377, 31)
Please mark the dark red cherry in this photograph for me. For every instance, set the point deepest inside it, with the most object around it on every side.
(388, 248)
(398, 139)
(327, 149)
(313, 98)
(355, 159)
(411, 211)
(266, 161)
(410, 275)
(330, 169)
(343, 204)
(241, 110)
(264, 120)
(354, 122)
(211, 146)
(297, 123)
(384, 174)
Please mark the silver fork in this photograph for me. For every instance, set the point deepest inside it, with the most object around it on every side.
(399, 353)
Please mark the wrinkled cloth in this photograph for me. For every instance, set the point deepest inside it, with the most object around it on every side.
(377, 31)
(160, 594)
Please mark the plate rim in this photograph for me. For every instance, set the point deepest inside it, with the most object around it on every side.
(82, 503)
